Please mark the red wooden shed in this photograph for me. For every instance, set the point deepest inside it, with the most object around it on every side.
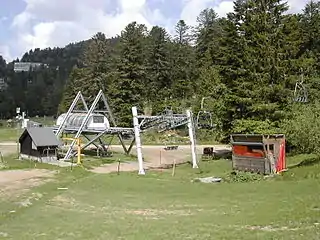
(258, 153)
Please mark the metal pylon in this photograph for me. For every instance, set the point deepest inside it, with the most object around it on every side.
(70, 110)
(83, 124)
(169, 121)
(100, 96)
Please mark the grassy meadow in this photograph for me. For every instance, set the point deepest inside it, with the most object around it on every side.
(159, 205)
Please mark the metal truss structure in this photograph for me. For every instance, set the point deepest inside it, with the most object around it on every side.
(163, 122)
(97, 133)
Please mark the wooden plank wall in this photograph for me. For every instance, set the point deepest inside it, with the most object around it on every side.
(250, 164)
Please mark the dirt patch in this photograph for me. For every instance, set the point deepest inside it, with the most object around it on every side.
(16, 182)
(8, 148)
(155, 157)
(63, 201)
(109, 168)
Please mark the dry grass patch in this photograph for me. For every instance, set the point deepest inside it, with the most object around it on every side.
(158, 213)
(276, 229)
(14, 183)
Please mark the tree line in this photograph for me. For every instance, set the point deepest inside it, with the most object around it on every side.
(246, 65)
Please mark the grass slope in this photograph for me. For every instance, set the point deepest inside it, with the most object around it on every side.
(159, 206)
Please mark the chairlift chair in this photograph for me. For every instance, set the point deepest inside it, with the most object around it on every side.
(168, 111)
(300, 93)
(171, 145)
(165, 113)
(204, 118)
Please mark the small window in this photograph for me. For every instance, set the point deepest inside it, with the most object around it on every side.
(253, 148)
(98, 119)
(271, 147)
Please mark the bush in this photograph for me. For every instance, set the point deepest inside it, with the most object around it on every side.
(302, 128)
(248, 126)
(237, 176)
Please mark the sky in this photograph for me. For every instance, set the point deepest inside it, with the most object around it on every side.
(29, 24)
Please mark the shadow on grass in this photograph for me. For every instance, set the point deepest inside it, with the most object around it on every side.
(307, 162)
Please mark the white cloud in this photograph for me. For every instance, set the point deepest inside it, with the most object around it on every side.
(296, 5)
(46, 23)
(129, 5)
(21, 20)
(5, 52)
(223, 8)
(192, 8)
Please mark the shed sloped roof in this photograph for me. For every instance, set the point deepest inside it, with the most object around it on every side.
(41, 136)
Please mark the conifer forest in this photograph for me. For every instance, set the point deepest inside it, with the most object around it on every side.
(258, 69)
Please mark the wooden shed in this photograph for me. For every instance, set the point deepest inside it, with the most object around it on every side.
(263, 154)
(38, 143)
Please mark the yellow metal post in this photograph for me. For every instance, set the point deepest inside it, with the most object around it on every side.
(78, 148)
(79, 151)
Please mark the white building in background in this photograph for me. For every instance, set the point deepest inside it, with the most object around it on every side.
(27, 66)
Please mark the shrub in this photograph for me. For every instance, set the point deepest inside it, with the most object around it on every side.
(248, 126)
(238, 176)
(302, 128)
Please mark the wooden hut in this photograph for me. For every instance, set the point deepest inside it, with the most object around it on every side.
(38, 144)
(263, 154)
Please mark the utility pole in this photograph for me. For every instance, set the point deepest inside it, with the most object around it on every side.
(18, 120)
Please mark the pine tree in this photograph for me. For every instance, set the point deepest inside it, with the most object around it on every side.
(208, 33)
(253, 59)
(183, 35)
(131, 89)
(159, 75)
(310, 25)
(93, 73)
(183, 63)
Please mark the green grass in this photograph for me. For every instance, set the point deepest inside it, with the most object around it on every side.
(88, 162)
(11, 162)
(159, 206)
(9, 134)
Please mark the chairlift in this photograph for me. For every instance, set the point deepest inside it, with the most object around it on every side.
(300, 92)
(171, 143)
(204, 118)
(168, 111)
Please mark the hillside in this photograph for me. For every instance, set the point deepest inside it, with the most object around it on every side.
(39, 92)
